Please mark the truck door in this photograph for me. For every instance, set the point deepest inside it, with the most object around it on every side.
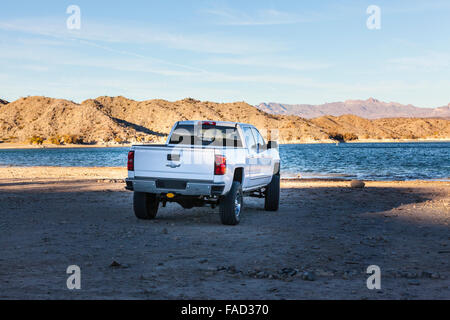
(251, 160)
(264, 169)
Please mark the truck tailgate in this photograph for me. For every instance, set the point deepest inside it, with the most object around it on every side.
(174, 163)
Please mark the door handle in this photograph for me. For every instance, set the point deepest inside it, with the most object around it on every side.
(173, 165)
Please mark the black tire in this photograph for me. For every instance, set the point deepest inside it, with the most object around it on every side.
(230, 214)
(272, 199)
(145, 205)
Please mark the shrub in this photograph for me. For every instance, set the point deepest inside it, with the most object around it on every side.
(72, 139)
(36, 140)
(350, 136)
(409, 136)
(342, 137)
(55, 140)
(336, 136)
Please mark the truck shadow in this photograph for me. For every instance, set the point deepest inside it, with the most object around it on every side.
(320, 200)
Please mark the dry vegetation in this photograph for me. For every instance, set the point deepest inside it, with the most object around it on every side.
(117, 120)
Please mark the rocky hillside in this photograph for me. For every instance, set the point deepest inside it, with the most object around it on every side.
(369, 109)
(54, 118)
(116, 120)
(389, 128)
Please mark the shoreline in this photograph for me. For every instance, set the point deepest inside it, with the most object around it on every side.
(26, 146)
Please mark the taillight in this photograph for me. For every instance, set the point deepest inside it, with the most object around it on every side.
(220, 166)
(131, 161)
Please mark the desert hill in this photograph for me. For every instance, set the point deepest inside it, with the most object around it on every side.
(116, 120)
(369, 109)
(48, 118)
(389, 128)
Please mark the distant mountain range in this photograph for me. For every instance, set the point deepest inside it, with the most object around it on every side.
(369, 109)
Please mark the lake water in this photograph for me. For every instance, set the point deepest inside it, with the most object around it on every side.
(369, 161)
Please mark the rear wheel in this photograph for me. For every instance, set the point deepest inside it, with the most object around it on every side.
(231, 205)
(145, 205)
(272, 200)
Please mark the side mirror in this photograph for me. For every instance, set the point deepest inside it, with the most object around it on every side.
(272, 145)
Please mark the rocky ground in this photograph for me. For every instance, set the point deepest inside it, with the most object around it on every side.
(318, 246)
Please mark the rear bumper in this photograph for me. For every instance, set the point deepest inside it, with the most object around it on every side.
(181, 187)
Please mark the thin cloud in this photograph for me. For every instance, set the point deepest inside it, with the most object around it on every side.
(268, 62)
(41, 58)
(110, 33)
(259, 18)
(428, 62)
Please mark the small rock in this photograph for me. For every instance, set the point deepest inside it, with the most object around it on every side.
(165, 231)
(414, 283)
(203, 261)
(288, 271)
(357, 184)
(115, 264)
(308, 276)
(435, 276)
(324, 273)
(411, 275)
(232, 270)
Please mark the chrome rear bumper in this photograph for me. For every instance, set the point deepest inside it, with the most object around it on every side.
(182, 187)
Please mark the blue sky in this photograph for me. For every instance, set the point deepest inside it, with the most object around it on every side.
(254, 51)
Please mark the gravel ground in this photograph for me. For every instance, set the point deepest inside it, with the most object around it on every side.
(318, 246)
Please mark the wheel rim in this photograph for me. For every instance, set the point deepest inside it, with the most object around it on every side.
(237, 205)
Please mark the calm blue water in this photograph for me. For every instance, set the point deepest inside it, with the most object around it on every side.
(370, 161)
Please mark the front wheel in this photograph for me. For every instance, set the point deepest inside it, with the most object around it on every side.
(231, 205)
(145, 205)
(272, 200)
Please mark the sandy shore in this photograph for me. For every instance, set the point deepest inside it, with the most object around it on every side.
(7, 146)
(61, 173)
(55, 217)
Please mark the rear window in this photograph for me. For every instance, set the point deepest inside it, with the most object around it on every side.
(206, 135)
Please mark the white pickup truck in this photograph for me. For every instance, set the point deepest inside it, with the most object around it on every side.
(205, 163)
